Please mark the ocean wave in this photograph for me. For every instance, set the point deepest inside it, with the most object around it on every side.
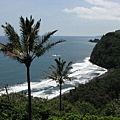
(81, 73)
(55, 55)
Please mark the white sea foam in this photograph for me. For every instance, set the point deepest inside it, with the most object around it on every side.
(47, 88)
(55, 55)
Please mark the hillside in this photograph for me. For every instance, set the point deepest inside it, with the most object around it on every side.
(99, 92)
(106, 53)
(102, 92)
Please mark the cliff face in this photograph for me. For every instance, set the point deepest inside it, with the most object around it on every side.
(106, 52)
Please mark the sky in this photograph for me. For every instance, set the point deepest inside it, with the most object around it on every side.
(69, 17)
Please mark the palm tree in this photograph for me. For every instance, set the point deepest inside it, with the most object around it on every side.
(26, 47)
(59, 73)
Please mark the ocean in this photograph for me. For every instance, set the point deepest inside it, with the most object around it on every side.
(76, 49)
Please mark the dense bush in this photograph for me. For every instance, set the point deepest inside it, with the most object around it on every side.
(15, 109)
(79, 117)
(98, 92)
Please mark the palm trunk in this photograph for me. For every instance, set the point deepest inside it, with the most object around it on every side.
(60, 97)
(29, 93)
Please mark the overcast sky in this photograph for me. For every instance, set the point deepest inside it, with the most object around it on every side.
(70, 17)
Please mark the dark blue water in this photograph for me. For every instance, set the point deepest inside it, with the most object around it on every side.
(76, 49)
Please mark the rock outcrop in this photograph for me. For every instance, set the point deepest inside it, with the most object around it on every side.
(95, 40)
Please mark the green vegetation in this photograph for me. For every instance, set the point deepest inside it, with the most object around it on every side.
(101, 96)
(106, 53)
(98, 99)
(102, 93)
(42, 109)
(27, 47)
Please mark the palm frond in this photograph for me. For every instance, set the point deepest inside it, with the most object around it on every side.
(13, 53)
(23, 31)
(68, 68)
(36, 28)
(22, 26)
(41, 49)
(12, 36)
(26, 28)
(46, 36)
(49, 75)
(2, 46)
(42, 46)
(55, 73)
(58, 63)
(29, 33)
(67, 78)
(54, 67)
(34, 36)
(60, 66)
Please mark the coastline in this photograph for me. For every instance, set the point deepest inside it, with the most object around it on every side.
(48, 89)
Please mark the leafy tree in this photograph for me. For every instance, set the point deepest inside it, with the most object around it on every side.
(86, 108)
(43, 109)
(59, 73)
(27, 47)
(112, 109)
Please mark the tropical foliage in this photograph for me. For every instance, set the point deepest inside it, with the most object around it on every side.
(42, 109)
(26, 47)
(59, 73)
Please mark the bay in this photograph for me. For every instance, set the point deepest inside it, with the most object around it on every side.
(76, 49)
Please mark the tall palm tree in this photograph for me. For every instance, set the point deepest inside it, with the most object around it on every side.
(59, 73)
(26, 47)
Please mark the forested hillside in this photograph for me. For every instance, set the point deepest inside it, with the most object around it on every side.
(101, 92)
(106, 53)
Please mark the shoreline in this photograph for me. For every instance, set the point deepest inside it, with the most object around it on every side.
(48, 89)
